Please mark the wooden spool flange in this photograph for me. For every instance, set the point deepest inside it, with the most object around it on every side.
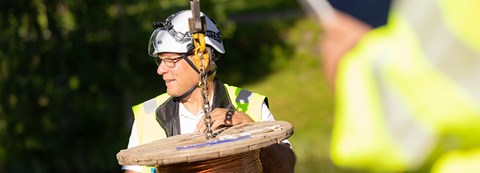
(194, 147)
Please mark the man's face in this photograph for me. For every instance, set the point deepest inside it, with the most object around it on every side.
(179, 76)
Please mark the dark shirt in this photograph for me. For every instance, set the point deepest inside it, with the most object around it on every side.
(372, 12)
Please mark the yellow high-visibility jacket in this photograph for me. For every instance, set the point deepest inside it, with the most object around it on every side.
(409, 91)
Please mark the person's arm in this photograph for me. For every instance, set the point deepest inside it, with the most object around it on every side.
(224, 117)
(341, 33)
(278, 158)
(132, 142)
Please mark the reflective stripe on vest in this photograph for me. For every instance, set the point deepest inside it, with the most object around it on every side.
(146, 120)
(405, 87)
(442, 86)
(145, 117)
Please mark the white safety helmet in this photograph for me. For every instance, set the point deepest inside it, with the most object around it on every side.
(174, 35)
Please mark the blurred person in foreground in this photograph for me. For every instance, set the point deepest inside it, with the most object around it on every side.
(180, 109)
(406, 94)
(344, 25)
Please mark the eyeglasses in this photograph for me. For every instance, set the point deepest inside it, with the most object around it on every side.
(169, 61)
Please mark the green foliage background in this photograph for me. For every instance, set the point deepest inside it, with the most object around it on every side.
(70, 70)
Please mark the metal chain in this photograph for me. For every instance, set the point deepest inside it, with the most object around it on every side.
(206, 104)
(197, 26)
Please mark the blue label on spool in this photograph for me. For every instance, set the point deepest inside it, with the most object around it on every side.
(212, 142)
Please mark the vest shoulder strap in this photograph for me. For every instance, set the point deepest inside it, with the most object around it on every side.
(145, 119)
(246, 101)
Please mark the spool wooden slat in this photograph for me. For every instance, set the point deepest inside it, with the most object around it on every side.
(194, 147)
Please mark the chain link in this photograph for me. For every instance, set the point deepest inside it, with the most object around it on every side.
(198, 28)
(206, 104)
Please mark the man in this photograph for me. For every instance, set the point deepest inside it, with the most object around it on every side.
(180, 110)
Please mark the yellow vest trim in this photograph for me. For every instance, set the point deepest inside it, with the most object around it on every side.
(145, 119)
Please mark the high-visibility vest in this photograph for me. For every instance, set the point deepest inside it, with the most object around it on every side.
(149, 129)
(410, 89)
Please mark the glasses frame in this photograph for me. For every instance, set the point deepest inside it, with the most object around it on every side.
(169, 61)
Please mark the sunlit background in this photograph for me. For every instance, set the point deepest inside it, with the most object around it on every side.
(70, 71)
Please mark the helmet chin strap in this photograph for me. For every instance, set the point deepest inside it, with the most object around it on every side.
(195, 86)
(186, 94)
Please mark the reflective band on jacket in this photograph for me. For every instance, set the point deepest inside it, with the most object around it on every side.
(146, 123)
(407, 86)
(440, 79)
(145, 119)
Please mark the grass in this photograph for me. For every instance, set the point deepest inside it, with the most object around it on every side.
(298, 93)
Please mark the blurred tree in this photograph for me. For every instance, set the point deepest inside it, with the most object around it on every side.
(67, 76)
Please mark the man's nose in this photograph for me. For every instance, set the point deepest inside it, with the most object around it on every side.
(162, 68)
